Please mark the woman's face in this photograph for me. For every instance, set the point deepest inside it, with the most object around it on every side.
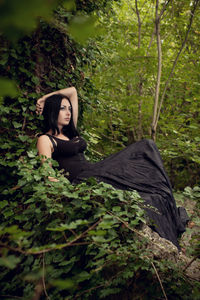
(65, 113)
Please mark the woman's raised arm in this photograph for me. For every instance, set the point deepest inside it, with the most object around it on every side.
(70, 92)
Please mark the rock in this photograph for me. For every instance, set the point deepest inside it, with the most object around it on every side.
(159, 247)
(162, 249)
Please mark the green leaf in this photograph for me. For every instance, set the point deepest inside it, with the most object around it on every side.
(63, 284)
(23, 138)
(83, 276)
(97, 232)
(9, 261)
(3, 203)
(72, 225)
(8, 88)
(82, 27)
(16, 124)
(35, 80)
(116, 208)
(69, 5)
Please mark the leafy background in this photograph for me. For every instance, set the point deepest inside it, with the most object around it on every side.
(64, 242)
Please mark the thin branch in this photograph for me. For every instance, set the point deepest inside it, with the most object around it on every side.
(98, 286)
(71, 243)
(89, 290)
(72, 231)
(24, 124)
(139, 233)
(11, 296)
(64, 235)
(139, 23)
(159, 281)
(137, 12)
(140, 133)
(147, 11)
(126, 224)
(195, 3)
(157, 21)
(191, 261)
(19, 250)
(43, 276)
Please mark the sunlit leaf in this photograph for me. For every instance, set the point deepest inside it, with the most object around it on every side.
(82, 27)
(69, 5)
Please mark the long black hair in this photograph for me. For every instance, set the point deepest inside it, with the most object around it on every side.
(50, 113)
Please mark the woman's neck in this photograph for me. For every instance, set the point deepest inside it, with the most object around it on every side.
(59, 135)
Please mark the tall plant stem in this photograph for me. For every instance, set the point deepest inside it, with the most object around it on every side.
(154, 31)
(157, 22)
(140, 133)
(139, 23)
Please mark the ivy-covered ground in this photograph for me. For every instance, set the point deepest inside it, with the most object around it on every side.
(60, 241)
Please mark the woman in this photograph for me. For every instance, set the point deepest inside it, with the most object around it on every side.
(138, 166)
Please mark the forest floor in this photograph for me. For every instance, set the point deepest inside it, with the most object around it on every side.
(192, 233)
(193, 227)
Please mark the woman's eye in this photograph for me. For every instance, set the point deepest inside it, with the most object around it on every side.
(64, 107)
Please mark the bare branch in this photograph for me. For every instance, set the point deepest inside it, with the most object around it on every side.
(160, 281)
(154, 31)
(69, 244)
(43, 277)
(12, 297)
(127, 225)
(140, 85)
(139, 23)
(191, 261)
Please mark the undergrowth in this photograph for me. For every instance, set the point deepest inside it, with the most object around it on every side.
(81, 241)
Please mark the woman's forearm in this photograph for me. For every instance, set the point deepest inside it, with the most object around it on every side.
(69, 92)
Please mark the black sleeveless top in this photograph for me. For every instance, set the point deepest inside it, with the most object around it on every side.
(70, 156)
(137, 167)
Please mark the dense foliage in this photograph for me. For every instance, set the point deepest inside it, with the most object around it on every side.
(124, 71)
(60, 241)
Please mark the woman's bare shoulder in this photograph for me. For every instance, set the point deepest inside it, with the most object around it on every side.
(44, 146)
(42, 136)
(43, 139)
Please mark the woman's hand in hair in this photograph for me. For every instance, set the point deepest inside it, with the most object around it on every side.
(40, 105)
(53, 179)
(69, 92)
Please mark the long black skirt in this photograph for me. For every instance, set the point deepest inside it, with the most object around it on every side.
(139, 167)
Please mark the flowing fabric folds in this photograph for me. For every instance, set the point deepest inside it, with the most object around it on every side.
(137, 167)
